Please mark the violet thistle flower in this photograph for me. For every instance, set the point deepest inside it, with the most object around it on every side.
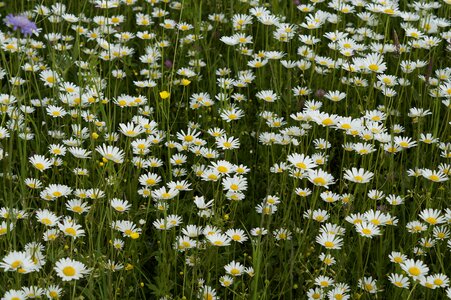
(168, 63)
(21, 22)
(320, 93)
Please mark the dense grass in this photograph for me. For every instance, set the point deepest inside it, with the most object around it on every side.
(225, 149)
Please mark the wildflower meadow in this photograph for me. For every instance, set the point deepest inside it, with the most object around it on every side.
(225, 149)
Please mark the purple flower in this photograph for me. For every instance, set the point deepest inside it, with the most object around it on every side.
(21, 22)
(168, 63)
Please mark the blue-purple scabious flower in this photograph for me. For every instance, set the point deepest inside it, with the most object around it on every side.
(21, 22)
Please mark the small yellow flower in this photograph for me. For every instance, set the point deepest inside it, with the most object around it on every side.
(95, 135)
(185, 82)
(164, 95)
(129, 267)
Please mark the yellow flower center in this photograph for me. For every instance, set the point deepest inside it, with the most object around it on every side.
(324, 283)
(77, 209)
(128, 232)
(236, 237)
(327, 122)
(39, 166)
(208, 296)
(358, 178)
(185, 244)
(398, 259)
(69, 271)
(71, 231)
(301, 165)
(398, 283)
(212, 177)
(234, 187)
(434, 177)
(242, 40)
(46, 221)
(375, 222)
(417, 228)
(366, 231)
(392, 149)
(389, 11)
(329, 244)
(53, 294)
(431, 220)
(150, 181)
(282, 236)
(415, 271)
(319, 181)
(222, 169)
(373, 67)
(15, 264)
(235, 271)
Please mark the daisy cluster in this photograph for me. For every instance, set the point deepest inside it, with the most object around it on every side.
(236, 149)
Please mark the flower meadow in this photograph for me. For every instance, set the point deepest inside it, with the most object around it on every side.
(234, 149)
